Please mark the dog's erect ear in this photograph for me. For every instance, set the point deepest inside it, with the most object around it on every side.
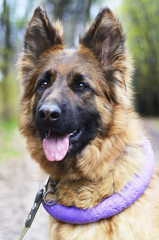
(105, 37)
(40, 34)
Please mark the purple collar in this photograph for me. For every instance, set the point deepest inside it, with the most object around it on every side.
(111, 205)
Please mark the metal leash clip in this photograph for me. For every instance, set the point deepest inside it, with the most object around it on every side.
(53, 200)
(38, 199)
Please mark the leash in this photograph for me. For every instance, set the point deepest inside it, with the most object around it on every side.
(40, 196)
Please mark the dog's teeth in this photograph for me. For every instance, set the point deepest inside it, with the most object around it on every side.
(71, 134)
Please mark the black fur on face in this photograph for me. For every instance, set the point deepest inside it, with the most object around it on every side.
(66, 106)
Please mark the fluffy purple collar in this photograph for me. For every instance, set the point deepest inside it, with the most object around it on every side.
(111, 205)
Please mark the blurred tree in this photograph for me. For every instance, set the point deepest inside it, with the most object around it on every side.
(141, 21)
(10, 26)
(73, 14)
(6, 54)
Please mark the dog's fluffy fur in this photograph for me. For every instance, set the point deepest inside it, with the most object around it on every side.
(109, 155)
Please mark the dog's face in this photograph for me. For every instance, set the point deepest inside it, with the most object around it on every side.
(66, 115)
(70, 96)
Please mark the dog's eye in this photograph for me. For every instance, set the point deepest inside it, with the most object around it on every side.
(81, 86)
(44, 84)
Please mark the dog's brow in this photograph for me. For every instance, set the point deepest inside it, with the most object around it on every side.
(72, 75)
(48, 74)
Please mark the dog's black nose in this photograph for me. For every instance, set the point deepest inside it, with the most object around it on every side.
(49, 112)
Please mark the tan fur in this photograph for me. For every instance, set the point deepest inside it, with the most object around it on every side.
(114, 157)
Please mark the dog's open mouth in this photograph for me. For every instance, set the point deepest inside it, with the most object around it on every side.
(57, 146)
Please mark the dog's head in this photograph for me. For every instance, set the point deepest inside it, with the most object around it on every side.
(70, 97)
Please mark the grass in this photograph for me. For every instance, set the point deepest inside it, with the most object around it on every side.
(9, 140)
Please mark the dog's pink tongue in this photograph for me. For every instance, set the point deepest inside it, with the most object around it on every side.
(55, 148)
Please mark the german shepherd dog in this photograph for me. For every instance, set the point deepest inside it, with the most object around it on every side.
(77, 117)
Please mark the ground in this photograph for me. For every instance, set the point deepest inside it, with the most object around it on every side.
(19, 184)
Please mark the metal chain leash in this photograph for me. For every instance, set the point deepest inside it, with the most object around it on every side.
(40, 196)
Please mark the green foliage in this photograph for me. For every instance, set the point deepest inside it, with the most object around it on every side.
(8, 140)
(9, 96)
(12, 25)
(140, 20)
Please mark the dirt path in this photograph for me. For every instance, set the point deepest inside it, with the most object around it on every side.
(18, 186)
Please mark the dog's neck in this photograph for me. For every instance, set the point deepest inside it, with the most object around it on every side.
(113, 204)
